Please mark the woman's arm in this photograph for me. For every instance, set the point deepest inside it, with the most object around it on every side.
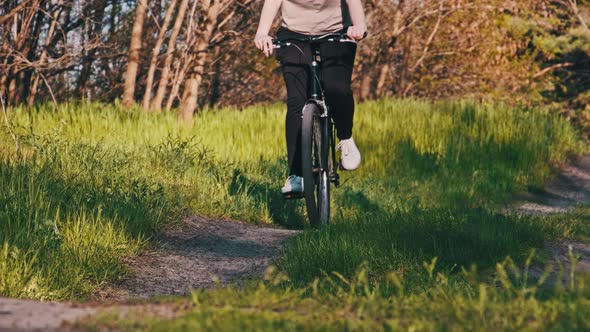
(357, 15)
(262, 40)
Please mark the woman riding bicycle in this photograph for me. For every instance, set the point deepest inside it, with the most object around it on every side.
(303, 18)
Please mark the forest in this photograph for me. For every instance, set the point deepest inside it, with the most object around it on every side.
(187, 55)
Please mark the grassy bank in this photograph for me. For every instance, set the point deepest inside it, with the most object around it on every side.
(90, 184)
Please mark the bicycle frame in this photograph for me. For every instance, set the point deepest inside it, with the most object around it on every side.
(316, 90)
(318, 139)
(317, 97)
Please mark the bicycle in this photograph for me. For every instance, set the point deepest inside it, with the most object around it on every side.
(318, 148)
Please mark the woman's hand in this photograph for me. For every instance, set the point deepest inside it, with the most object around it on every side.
(357, 32)
(264, 43)
(358, 29)
(262, 40)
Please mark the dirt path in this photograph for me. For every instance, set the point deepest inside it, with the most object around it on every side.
(29, 315)
(201, 250)
(197, 253)
(187, 257)
(569, 189)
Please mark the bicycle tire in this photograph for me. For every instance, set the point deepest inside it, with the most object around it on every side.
(314, 160)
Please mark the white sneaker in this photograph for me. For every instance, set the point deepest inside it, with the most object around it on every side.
(350, 156)
(293, 185)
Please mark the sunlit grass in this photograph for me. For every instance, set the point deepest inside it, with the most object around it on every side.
(510, 301)
(87, 184)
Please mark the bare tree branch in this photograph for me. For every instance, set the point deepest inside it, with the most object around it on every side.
(551, 68)
(14, 11)
(430, 38)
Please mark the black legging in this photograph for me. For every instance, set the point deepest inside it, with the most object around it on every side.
(337, 62)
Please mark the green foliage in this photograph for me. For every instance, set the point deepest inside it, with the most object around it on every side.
(561, 49)
(519, 28)
(573, 41)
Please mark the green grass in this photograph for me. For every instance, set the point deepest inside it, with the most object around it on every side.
(90, 184)
(509, 302)
(402, 240)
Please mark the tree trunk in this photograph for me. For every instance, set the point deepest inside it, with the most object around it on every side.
(32, 46)
(25, 35)
(208, 24)
(155, 53)
(12, 92)
(383, 73)
(156, 103)
(177, 80)
(134, 50)
(43, 57)
(189, 102)
(214, 89)
(365, 85)
(94, 33)
(4, 76)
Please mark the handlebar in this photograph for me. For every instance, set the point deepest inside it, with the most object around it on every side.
(331, 37)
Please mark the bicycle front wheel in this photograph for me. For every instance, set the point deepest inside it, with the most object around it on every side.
(314, 161)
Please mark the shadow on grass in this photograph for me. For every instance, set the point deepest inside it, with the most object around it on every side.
(402, 240)
(45, 192)
(267, 193)
(72, 231)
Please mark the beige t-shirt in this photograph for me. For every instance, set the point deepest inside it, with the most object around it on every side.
(314, 17)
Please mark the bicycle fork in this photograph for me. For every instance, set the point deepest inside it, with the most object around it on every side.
(334, 177)
(328, 132)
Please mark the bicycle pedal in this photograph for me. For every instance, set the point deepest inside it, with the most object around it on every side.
(289, 196)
